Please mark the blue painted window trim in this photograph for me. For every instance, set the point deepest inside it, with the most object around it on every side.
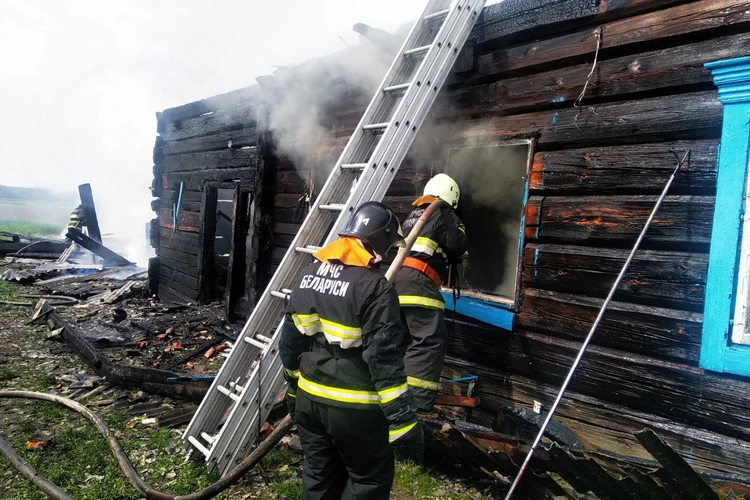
(495, 314)
(732, 76)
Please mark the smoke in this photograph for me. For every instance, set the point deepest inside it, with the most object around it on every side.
(299, 104)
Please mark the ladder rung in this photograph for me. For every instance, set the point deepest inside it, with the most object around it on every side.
(375, 126)
(265, 339)
(437, 14)
(353, 166)
(199, 446)
(311, 249)
(280, 295)
(227, 392)
(256, 343)
(417, 50)
(400, 86)
(333, 206)
(209, 438)
(237, 387)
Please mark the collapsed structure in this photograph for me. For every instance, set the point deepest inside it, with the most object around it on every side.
(562, 121)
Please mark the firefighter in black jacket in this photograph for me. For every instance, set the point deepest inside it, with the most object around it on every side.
(441, 242)
(342, 350)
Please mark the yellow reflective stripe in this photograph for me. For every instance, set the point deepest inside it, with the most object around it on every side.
(462, 228)
(388, 395)
(394, 434)
(305, 320)
(340, 331)
(424, 384)
(338, 394)
(291, 395)
(292, 373)
(416, 300)
(427, 242)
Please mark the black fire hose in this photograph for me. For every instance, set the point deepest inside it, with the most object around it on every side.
(210, 491)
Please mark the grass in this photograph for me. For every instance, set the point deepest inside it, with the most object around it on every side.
(7, 374)
(29, 228)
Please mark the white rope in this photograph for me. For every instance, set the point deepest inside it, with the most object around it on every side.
(577, 102)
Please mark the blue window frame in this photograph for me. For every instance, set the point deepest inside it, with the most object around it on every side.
(718, 352)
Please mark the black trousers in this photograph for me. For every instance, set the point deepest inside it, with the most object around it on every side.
(347, 455)
(425, 353)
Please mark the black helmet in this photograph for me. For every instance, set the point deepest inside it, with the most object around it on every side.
(376, 225)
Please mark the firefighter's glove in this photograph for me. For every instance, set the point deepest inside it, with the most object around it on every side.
(410, 446)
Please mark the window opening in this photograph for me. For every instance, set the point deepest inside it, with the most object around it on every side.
(493, 187)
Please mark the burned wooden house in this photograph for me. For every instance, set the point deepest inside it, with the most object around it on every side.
(562, 121)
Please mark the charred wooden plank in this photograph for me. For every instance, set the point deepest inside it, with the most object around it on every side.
(247, 136)
(618, 220)
(190, 269)
(512, 16)
(646, 330)
(676, 466)
(177, 255)
(520, 20)
(175, 276)
(97, 248)
(286, 228)
(177, 291)
(180, 240)
(630, 169)
(602, 425)
(686, 116)
(658, 278)
(234, 118)
(680, 20)
(195, 180)
(679, 392)
(89, 211)
(221, 101)
(660, 69)
(187, 221)
(209, 160)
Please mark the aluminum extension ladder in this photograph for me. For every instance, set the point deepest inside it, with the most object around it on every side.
(227, 423)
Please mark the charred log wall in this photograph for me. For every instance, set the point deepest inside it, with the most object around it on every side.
(598, 169)
(213, 142)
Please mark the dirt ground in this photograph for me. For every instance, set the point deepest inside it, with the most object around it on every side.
(77, 457)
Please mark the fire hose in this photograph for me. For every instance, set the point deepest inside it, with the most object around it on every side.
(127, 468)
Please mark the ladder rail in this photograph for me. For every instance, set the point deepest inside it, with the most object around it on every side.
(392, 153)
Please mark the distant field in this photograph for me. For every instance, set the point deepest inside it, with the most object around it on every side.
(34, 217)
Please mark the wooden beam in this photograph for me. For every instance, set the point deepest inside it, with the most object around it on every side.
(657, 278)
(208, 160)
(617, 220)
(247, 136)
(658, 69)
(676, 466)
(95, 247)
(687, 18)
(685, 116)
(629, 169)
(631, 328)
(89, 211)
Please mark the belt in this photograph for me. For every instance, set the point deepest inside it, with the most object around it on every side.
(424, 268)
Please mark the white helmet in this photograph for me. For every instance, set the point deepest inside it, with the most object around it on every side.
(444, 188)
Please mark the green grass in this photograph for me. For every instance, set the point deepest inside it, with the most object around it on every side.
(29, 228)
(7, 374)
(291, 489)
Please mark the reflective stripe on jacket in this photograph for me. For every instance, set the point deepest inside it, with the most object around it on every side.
(341, 342)
(442, 240)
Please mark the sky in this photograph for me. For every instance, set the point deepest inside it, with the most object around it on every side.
(81, 80)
